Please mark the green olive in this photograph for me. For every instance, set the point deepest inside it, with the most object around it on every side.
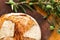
(30, 3)
(52, 27)
(59, 31)
(48, 6)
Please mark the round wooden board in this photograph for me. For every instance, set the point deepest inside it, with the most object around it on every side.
(44, 25)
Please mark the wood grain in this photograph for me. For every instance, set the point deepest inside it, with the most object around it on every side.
(43, 23)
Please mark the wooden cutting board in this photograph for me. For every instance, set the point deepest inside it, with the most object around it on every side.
(43, 23)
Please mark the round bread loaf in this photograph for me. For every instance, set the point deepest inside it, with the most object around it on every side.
(19, 26)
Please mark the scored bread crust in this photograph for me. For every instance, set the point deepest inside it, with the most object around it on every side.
(23, 23)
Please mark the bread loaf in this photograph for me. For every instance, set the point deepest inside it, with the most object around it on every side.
(19, 26)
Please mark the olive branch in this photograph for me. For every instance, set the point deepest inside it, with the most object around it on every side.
(49, 6)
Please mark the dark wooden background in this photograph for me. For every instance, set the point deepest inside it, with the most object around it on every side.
(44, 25)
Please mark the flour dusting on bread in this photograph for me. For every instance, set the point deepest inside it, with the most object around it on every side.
(7, 29)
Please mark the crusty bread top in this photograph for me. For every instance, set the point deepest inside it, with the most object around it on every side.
(23, 26)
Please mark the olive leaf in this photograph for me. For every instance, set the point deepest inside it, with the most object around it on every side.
(21, 0)
(10, 2)
(33, 0)
(22, 9)
(14, 6)
(26, 5)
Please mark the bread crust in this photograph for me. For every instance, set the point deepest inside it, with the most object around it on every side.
(22, 24)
